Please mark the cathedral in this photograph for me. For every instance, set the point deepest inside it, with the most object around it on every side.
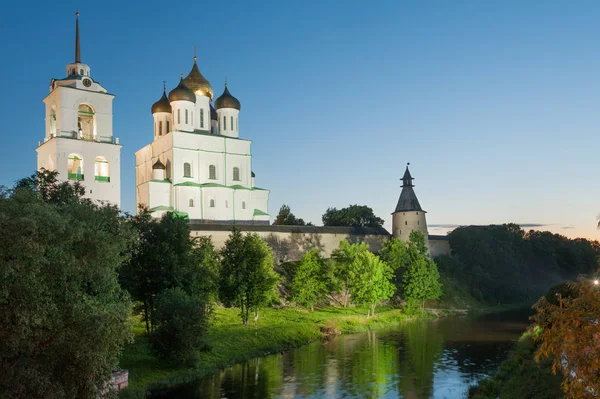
(197, 166)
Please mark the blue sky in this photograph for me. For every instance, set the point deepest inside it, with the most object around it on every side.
(495, 104)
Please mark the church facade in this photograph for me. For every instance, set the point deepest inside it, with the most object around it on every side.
(197, 165)
(79, 141)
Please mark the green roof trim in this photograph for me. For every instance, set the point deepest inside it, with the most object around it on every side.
(161, 208)
(258, 212)
(161, 181)
(217, 185)
(208, 133)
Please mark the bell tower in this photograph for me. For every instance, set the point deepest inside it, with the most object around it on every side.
(79, 141)
(408, 215)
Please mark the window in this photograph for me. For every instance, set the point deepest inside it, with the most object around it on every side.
(232, 123)
(101, 170)
(85, 121)
(168, 127)
(406, 223)
(186, 116)
(226, 204)
(236, 174)
(160, 128)
(211, 203)
(224, 123)
(192, 118)
(236, 124)
(191, 203)
(418, 223)
(81, 71)
(212, 172)
(187, 170)
(75, 167)
(155, 129)
(202, 118)
(417, 213)
(243, 204)
(178, 116)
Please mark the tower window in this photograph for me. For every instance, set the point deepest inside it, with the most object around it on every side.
(212, 172)
(418, 223)
(417, 213)
(191, 203)
(226, 204)
(192, 118)
(187, 170)
(160, 128)
(236, 174)
(405, 223)
(75, 167)
(186, 116)
(232, 123)
(211, 203)
(224, 123)
(236, 125)
(178, 116)
(85, 121)
(243, 204)
(202, 118)
(101, 170)
(168, 127)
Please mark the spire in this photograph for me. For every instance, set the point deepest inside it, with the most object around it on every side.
(77, 51)
(408, 199)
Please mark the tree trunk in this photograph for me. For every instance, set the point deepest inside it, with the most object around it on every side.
(256, 316)
(372, 309)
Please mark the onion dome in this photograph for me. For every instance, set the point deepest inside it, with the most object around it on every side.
(158, 165)
(198, 83)
(213, 113)
(182, 93)
(227, 100)
(162, 105)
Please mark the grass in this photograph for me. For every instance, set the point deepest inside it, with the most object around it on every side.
(230, 342)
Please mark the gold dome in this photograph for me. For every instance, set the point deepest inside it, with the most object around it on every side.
(198, 83)
(162, 105)
(226, 100)
(182, 93)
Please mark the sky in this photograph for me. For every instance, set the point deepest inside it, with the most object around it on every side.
(494, 104)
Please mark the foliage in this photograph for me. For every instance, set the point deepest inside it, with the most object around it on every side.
(353, 216)
(395, 254)
(519, 376)
(343, 260)
(181, 322)
(163, 256)
(246, 277)
(309, 285)
(503, 263)
(64, 315)
(286, 218)
(570, 337)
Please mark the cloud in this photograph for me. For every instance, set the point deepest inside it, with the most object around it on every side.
(568, 227)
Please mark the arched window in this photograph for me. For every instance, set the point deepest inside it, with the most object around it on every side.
(75, 167)
(187, 170)
(405, 223)
(191, 203)
(202, 118)
(160, 128)
(168, 127)
(236, 125)
(81, 71)
(186, 116)
(243, 204)
(211, 203)
(232, 123)
(85, 122)
(224, 123)
(236, 174)
(192, 115)
(212, 172)
(101, 170)
(179, 116)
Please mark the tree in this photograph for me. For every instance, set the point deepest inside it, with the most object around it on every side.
(309, 285)
(64, 314)
(353, 216)
(395, 254)
(246, 277)
(370, 283)
(569, 335)
(421, 280)
(286, 218)
(180, 324)
(344, 260)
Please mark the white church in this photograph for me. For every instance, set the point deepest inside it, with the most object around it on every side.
(196, 166)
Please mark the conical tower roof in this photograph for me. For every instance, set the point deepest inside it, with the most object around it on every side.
(408, 201)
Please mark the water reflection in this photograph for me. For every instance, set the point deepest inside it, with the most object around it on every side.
(438, 359)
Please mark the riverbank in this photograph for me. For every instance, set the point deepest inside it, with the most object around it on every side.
(230, 342)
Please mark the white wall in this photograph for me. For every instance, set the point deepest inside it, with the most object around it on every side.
(226, 129)
(405, 222)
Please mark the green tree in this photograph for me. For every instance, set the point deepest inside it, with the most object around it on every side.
(370, 280)
(180, 325)
(286, 218)
(163, 256)
(343, 263)
(246, 277)
(64, 314)
(395, 253)
(421, 280)
(353, 216)
(309, 285)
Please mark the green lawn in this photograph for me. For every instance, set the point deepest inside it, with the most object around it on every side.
(231, 342)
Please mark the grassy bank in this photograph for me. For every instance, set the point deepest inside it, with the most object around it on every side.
(519, 376)
(230, 342)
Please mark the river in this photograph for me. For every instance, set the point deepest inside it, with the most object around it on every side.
(417, 360)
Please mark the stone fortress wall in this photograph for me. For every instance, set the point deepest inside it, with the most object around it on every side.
(290, 243)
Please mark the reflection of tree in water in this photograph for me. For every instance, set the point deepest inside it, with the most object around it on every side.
(419, 351)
